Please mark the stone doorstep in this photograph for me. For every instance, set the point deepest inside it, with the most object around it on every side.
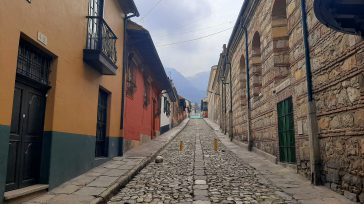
(291, 166)
(23, 192)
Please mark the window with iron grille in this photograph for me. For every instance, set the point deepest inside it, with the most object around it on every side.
(130, 76)
(146, 92)
(165, 104)
(166, 107)
(33, 63)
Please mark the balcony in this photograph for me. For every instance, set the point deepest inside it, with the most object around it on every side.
(100, 52)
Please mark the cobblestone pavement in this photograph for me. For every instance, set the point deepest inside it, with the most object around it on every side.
(199, 174)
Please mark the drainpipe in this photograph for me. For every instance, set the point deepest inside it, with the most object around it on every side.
(311, 117)
(222, 104)
(225, 109)
(125, 63)
(231, 105)
(250, 143)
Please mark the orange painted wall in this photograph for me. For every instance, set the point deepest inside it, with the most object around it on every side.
(72, 101)
(138, 118)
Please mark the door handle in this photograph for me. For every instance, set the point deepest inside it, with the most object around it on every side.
(26, 152)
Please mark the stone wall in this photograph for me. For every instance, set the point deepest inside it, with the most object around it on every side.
(277, 72)
(239, 93)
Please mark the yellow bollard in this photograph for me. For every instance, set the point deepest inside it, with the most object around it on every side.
(216, 144)
(181, 146)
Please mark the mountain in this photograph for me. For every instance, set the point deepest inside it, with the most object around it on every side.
(200, 80)
(192, 88)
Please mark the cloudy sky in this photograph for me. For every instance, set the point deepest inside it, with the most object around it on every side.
(189, 34)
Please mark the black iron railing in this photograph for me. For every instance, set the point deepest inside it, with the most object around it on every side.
(101, 37)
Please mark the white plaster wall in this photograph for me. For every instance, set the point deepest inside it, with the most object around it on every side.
(165, 120)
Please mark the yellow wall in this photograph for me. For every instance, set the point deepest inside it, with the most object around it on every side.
(72, 101)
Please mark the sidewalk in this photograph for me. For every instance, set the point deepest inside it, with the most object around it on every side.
(287, 179)
(100, 183)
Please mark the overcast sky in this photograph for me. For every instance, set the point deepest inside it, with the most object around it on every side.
(174, 21)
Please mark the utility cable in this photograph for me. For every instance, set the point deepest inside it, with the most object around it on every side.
(150, 10)
(192, 31)
(194, 39)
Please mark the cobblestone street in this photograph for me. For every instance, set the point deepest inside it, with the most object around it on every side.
(199, 174)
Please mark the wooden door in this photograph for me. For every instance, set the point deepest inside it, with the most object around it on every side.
(25, 142)
(287, 145)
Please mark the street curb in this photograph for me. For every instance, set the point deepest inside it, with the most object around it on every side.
(124, 180)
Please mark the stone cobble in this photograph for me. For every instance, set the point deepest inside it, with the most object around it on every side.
(199, 174)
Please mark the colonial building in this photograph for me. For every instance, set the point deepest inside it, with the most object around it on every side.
(61, 77)
(213, 95)
(293, 89)
(145, 79)
(167, 99)
(180, 107)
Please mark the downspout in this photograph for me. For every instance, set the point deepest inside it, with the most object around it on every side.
(222, 105)
(231, 105)
(311, 116)
(250, 143)
(225, 121)
(125, 63)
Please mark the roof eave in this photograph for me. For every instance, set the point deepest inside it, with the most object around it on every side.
(156, 68)
(129, 7)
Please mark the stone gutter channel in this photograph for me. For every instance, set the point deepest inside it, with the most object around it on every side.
(99, 184)
(200, 186)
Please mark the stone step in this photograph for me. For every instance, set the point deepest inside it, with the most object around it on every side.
(25, 194)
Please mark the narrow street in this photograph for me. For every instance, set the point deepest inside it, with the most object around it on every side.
(199, 174)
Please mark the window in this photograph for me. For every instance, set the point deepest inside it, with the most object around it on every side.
(130, 76)
(101, 149)
(33, 63)
(166, 108)
(146, 92)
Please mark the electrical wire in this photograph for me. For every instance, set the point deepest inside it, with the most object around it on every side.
(150, 10)
(194, 39)
(192, 31)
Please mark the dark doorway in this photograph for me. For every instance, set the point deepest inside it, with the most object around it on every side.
(287, 145)
(25, 141)
(101, 149)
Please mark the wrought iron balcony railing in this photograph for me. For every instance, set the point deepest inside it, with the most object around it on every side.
(100, 49)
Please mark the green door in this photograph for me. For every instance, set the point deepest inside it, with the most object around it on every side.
(287, 148)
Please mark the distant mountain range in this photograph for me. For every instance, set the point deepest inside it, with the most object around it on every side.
(192, 88)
